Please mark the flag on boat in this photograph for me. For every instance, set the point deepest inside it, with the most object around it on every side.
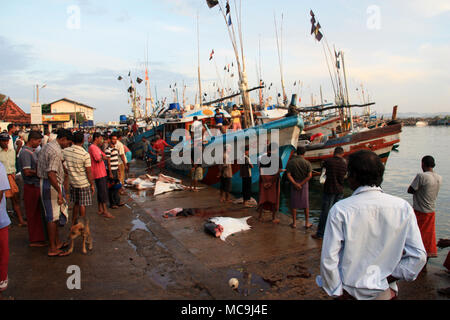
(212, 3)
(146, 74)
(228, 7)
(338, 63)
(317, 32)
(211, 56)
(313, 22)
(119, 78)
(130, 89)
(129, 73)
(139, 80)
(229, 21)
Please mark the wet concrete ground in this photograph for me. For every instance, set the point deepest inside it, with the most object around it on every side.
(141, 255)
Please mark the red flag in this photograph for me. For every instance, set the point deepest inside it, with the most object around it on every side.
(211, 56)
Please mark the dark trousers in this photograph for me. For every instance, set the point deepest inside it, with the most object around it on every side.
(113, 191)
(246, 188)
(328, 202)
(114, 198)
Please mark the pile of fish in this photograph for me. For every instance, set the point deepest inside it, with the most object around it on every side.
(161, 184)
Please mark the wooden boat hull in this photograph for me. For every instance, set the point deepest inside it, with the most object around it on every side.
(379, 140)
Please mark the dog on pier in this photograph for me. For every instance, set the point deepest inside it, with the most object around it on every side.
(80, 229)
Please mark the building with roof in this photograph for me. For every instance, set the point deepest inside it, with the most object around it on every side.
(67, 113)
(10, 112)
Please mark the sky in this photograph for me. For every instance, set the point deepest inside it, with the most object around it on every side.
(399, 50)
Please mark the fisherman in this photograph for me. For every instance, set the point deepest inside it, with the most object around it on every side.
(78, 163)
(4, 233)
(371, 239)
(236, 116)
(31, 190)
(197, 169)
(54, 182)
(8, 158)
(160, 146)
(219, 119)
(246, 175)
(226, 175)
(123, 163)
(112, 154)
(99, 175)
(196, 127)
(333, 190)
(269, 183)
(299, 172)
(425, 189)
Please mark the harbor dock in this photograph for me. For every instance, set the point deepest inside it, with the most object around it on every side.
(141, 255)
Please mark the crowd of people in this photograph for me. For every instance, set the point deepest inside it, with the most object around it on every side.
(54, 171)
(367, 232)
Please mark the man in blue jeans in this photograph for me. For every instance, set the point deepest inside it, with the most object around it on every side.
(336, 170)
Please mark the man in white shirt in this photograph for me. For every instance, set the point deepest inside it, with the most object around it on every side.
(197, 126)
(371, 239)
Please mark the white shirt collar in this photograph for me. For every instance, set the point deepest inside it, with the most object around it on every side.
(363, 189)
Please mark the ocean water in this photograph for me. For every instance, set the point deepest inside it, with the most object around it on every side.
(401, 169)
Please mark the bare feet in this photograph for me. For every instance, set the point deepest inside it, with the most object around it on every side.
(308, 226)
(57, 253)
(108, 216)
(22, 224)
(293, 225)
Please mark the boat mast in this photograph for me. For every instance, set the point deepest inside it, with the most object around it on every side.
(243, 81)
(198, 45)
(346, 92)
(280, 55)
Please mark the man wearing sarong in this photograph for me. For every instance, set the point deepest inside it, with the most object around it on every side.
(371, 239)
(53, 185)
(8, 158)
(299, 172)
(4, 235)
(425, 189)
(269, 183)
(31, 190)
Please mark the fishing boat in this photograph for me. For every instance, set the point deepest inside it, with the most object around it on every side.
(289, 131)
(380, 140)
(421, 124)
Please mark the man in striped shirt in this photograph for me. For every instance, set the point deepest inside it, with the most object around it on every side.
(78, 164)
(112, 154)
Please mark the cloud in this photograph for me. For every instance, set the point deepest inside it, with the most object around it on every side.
(428, 9)
(183, 7)
(14, 57)
(124, 16)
